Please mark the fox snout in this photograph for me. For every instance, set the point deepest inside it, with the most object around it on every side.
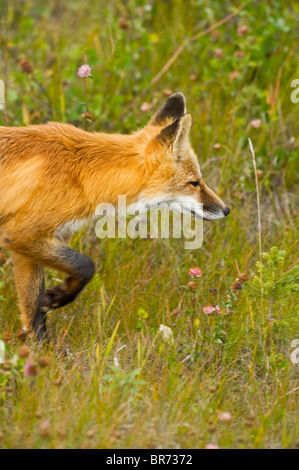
(207, 205)
(226, 210)
(214, 212)
(213, 207)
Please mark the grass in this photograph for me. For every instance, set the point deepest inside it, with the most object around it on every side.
(113, 381)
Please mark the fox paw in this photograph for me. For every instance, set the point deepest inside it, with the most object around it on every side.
(54, 298)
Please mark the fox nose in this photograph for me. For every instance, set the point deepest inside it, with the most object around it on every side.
(226, 211)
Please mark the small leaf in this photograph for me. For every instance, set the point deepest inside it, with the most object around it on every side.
(142, 313)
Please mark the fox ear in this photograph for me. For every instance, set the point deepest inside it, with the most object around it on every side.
(174, 108)
(180, 144)
(177, 135)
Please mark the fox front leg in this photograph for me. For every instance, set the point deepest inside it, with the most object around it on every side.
(80, 270)
(29, 277)
(29, 259)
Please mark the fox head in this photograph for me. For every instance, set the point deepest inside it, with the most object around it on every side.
(174, 174)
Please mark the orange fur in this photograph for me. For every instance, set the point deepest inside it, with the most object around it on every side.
(52, 174)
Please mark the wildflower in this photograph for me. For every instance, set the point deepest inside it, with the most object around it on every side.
(44, 361)
(228, 311)
(239, 54)
(218, 53)
(192, 285)
(208, 309)
(242, 30)
(91, 433)
(86, 115)
(216, 34)
(225, 416)
(122, 23)
(145, 107)
(259, 173)
(192, 77)
(236, 286)
(256, 123)
(217, 310)
(167, 92)
(176, 311)
(195, 272)
(213, 291)
(233, 75)
(22, 335)
(23, 352)
(166, 333)
(45, 428)
(142, 313)
(57, 382)
(25, 66)
(30, 369)
(211, 446)
(243, 277)
(6, 335)
(217, 146)
(84, 71)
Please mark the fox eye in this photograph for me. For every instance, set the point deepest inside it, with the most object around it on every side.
(194, 183)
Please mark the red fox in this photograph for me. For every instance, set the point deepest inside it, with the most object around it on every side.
(52, 174)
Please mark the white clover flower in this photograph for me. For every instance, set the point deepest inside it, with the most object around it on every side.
(166, 333)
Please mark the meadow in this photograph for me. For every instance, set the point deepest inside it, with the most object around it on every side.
(109, 378)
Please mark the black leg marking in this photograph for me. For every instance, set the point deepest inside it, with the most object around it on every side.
(39, 320)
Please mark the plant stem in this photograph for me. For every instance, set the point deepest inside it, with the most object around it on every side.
(270, 318)
(6, 117)
(86, 103)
